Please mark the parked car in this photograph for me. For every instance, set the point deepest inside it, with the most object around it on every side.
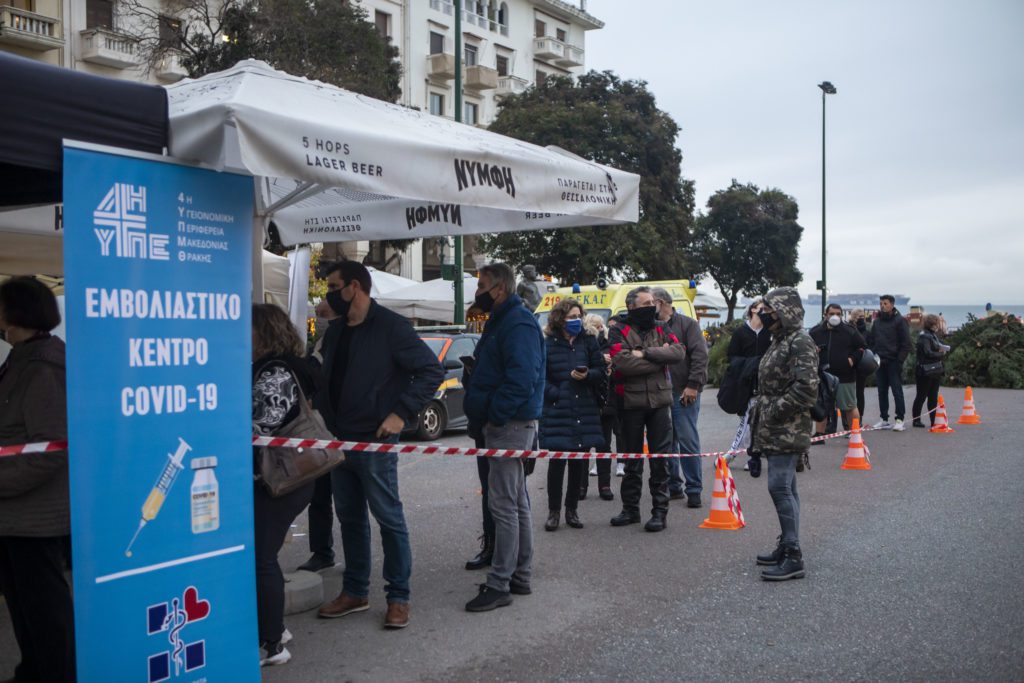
(445, 410)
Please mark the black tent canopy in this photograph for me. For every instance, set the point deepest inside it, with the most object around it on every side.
(45, 104)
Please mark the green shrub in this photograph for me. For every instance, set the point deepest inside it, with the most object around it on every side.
(987, 352)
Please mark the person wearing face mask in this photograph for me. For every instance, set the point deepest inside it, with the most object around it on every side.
(571, 420)
(379, 375)
(750, 340)
(857, 320)
(787, 381)
(642, 354)
(35, 512)
(840, 347)
(504, 401)
(890, 339)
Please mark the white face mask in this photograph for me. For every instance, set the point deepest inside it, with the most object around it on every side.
(834, 320)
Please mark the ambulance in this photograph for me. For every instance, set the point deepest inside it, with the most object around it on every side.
(609, 299)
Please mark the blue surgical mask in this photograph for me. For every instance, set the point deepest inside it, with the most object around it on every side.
(574, 327)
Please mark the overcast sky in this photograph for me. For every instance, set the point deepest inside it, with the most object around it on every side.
(925, 138)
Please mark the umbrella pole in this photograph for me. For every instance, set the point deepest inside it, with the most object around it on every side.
(460, 295)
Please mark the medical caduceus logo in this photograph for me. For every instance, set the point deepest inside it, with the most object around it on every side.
(120, 225)
(172, 621)
(176, 621)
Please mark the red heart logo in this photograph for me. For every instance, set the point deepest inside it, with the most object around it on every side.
(195, 608)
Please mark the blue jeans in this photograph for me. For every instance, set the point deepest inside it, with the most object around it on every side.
(888, 376)
(686, 440)
(370, 480)
(782, 487)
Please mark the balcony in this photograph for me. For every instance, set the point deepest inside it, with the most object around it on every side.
(30, 30)
(548, 48)
(109, 48)
(170, 69)
(443, 6)
(480, 78)
(511, 85)
(441, 66)
(572, 56)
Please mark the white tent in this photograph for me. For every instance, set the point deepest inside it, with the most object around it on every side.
(430, 300)
(333, 166)
(708, 300)
(383, 282)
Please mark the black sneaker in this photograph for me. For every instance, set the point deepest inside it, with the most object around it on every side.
(772, 558)
(918, 423)
(790, 567)
(519, 588)
(818, 436)
(676, 495)
(693, 500)
(606, 493)
(488, 599)
(624, 518)
(315, 563)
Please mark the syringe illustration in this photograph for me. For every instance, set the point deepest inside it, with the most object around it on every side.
(158, 495)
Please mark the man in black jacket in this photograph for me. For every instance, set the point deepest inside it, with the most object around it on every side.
(840, 347)
(379, 375)
(889, 337)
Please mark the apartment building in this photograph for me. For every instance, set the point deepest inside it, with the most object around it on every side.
(82, 35)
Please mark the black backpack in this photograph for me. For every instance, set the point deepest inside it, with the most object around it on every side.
(738, 385)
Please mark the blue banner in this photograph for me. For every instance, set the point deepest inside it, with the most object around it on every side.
(158, 260)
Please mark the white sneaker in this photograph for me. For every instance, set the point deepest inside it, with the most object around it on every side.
(593, 470)
(899, 426)
(274, 655)
(286, 637)
(884, 424)
(620, 470)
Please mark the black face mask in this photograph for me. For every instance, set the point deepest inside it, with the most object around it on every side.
(338, 304)
(767, 319)
(644, 316)
(484, 301)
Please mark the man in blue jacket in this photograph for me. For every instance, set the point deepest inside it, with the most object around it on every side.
(504, 400)
(379, 375)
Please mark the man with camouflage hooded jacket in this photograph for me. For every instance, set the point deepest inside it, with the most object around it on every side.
(787, 389)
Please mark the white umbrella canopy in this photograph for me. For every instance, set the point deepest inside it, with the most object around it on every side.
(430, 300)
(338, 166)
(383, 282)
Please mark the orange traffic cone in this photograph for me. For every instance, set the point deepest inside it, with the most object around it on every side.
(969, 416)
(722, 516)
(941, 423)
(856, 453)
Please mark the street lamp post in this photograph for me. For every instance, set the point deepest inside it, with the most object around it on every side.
(460, 306)
(826, 89)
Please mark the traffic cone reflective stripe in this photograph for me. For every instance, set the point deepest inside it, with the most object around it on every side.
(721, 516)
(941, 423)
(856, 452)
(969, 416)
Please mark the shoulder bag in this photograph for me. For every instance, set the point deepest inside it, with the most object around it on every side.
(283, 470)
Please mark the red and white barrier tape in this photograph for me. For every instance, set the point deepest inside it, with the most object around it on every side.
(412, 449)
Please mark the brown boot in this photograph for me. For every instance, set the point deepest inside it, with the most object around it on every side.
(342, 605)
(397, 616)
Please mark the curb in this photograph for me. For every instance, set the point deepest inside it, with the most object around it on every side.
(303, 591)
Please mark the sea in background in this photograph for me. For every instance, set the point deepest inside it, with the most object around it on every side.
(955, 314)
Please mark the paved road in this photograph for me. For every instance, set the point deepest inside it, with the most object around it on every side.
(914, 573)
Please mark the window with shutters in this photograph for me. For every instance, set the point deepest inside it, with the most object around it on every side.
(501, 64)
(436, 43)
(99, 13)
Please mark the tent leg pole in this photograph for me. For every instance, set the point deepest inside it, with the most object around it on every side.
(258, 230)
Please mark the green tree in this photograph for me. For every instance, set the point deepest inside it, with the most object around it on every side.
(747, 241)
(617, 123)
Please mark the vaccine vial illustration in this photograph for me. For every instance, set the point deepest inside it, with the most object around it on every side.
(205, 496)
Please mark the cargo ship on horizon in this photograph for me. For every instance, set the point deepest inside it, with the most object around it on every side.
(855, 300)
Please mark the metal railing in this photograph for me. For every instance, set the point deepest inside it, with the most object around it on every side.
(106, 39)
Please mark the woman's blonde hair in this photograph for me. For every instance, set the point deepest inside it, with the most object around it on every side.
(592, 322)
(556, 319)
(273, 333)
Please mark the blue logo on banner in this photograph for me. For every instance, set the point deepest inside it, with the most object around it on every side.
(157, 263)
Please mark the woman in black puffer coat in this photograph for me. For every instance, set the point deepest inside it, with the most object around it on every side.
(572, 419)
(929, 370)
